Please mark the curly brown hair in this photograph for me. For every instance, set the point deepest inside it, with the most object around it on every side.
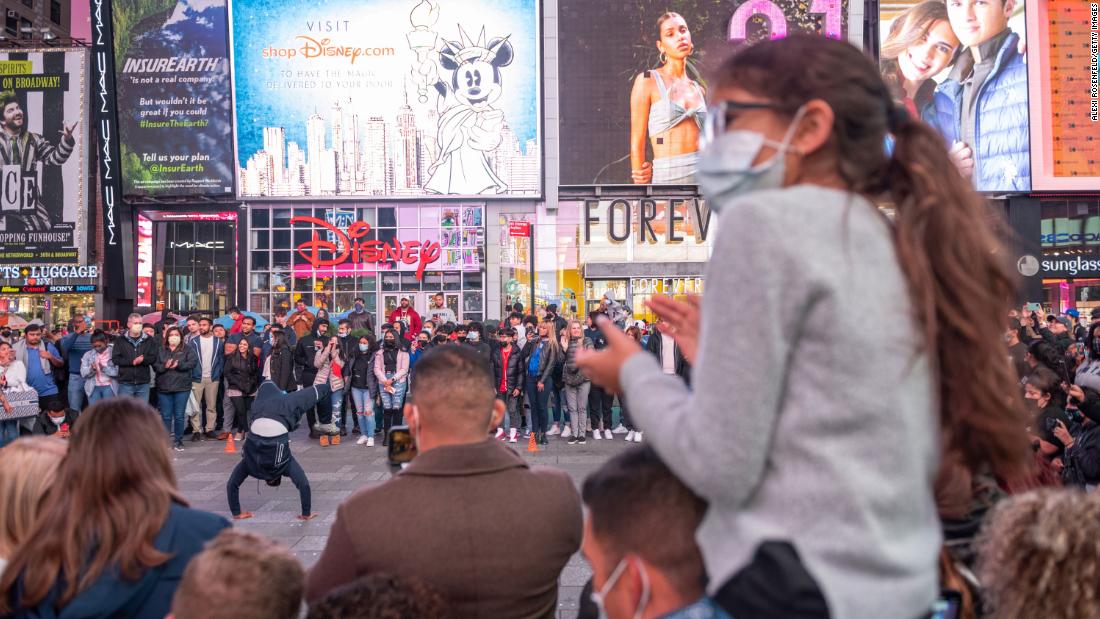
(1039, 555)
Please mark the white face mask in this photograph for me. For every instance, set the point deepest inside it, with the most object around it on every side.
(598, 597)
(726, 169)
(472, 336)
(57, 421)
(174, 340)
(135, 330)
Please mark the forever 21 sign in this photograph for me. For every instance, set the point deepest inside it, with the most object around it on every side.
(649, 221)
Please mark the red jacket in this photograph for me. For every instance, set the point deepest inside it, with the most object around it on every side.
(411, 320)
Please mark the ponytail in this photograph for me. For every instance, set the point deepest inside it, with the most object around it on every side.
(960, 288)
(952, 261)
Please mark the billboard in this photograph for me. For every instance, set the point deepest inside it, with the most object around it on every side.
(933, 56)
(633, 90)
(1065, 94)
(388, 98)
(174, 112)
(43, 146)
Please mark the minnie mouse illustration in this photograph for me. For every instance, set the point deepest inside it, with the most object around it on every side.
(469, 126)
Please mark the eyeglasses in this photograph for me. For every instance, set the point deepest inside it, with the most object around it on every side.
(718, 117)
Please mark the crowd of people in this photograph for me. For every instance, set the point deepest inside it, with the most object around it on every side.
(204, 376)
(936, 458)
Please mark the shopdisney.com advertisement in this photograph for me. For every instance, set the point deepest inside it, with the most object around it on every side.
(960, 66)
(390, 98)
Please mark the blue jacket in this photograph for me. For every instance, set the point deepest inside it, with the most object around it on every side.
(1002, 160)
(219, 359)
(184, 534)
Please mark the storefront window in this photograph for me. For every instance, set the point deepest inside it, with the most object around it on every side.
(401, 242)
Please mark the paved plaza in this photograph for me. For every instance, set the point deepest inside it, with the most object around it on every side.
(338, 471)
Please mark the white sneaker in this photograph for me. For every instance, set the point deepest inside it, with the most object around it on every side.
(596, 434)
(630, 436)
(500, 433)
(607, 434)
(362, 441)
(370, 442)
(619, 430)
(554, 429)
(512, 436)
(637, 437)
(526, 432)
(567, 432)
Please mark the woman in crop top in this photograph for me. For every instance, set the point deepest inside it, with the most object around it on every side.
(667, 106)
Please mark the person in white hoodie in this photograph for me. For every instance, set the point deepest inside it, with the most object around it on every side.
(816, 441)
(13, 378)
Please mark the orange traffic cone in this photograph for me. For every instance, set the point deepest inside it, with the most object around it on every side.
(230, 446)
(532, 446)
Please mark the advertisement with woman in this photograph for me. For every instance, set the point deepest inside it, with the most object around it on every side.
(959, 65)
(633, 116)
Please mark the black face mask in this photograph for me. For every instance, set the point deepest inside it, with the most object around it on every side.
(461, 338)
(423, 343)
(390, 344)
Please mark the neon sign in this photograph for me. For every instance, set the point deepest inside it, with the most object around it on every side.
(348, 246)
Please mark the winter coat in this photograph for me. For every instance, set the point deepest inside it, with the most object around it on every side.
(124, 353)
(571, 374)
(513, 374)
(304, 352)
(218, 360)
(324, 360)
(360, 320)
(280, 367)
(175, 379)
(242, 374)
(87, 370)
(361, 373)
(548, 359)
(402, 365)
(681, 366)
(1002, 159)
(1082, 459)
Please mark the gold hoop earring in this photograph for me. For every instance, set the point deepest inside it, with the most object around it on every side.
(663, 58)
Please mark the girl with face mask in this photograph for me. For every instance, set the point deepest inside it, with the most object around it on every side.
(812, 458)
(364, 388)
(391, 368)
(242, 379)
(173, 369)
(1088, 373)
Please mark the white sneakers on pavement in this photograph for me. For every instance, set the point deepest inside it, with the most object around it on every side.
(512, 436)
(607, 435)
(630, 436)
(554, 429)
(567, 432)
(362, 440)
(500, 433)
(638, 437)
(619, 429)
(596, 434)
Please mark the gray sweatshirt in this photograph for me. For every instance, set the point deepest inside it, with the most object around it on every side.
(813, 417)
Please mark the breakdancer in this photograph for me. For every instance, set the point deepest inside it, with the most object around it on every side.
(266, 451)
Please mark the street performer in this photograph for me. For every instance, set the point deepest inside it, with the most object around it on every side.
(266, 451)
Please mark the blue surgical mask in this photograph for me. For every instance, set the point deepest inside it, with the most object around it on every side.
(364, 348)
(726, 170)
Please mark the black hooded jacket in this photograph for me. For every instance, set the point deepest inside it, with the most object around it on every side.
(304, 353)
(286, 408)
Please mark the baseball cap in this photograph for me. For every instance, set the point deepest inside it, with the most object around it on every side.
(1096, 313)
(1073, 312)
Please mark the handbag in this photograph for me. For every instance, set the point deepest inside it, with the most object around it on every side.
(24, 403)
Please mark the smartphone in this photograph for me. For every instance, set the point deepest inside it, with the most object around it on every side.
(1035, 307)
(402, 448)
(948, 606)
(1051, 423)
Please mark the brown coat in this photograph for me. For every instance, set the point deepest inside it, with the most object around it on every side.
(301, 322)
(475, 522)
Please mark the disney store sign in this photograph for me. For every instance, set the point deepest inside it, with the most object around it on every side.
(350, 245)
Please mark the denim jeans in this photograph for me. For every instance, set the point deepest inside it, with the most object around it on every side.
(538, 400)
(173, 408)
(364, 410)
(337, 403)
(140, 392)
(99, 393)
(9, 431)
(76, 392)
